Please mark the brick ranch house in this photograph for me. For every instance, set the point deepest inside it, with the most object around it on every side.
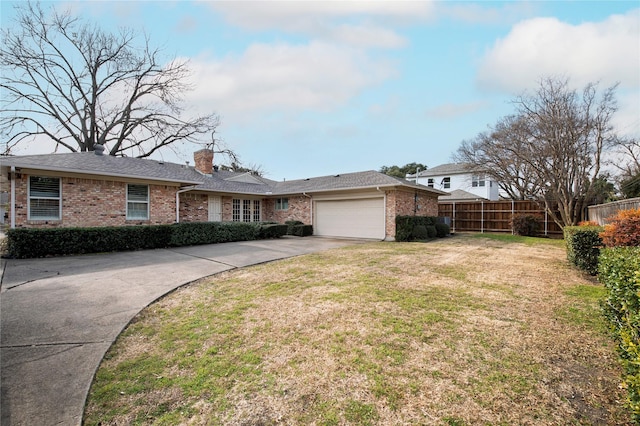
(93, 189)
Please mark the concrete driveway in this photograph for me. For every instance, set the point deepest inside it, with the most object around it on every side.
(58, 316)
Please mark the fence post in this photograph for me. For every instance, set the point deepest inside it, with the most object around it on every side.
(453, 218)
(546, 223)
(513, 212)
(482, 217)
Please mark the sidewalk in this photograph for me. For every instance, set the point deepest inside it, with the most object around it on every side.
(60, 315)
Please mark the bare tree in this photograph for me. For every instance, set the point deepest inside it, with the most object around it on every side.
(627, 161)
(552, 147)
(497, 153)
(80, 86)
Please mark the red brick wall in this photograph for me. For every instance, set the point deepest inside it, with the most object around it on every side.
(299, 209)
(405, 203)
(194, 207)
(95, 202)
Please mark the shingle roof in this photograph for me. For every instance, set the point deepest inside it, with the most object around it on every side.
(358, 180)
(106, 165)
(447, 169)
(220, 181)
(460, 195)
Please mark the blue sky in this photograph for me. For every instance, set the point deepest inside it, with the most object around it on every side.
(318, 88)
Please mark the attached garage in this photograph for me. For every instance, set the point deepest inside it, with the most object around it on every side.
(352, 218)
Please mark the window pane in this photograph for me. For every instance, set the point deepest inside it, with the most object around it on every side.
(136, 210)
(236, 210)
(246, 210)
(256, 210)
(44, 187)
(44, 209)
(138, 192)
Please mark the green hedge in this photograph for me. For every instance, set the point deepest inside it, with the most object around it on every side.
(619, 271)
(583, 246)
(272, 230)
(31, 242)
(301, 230)
(26, 242)
(412, 228)
(196, 233)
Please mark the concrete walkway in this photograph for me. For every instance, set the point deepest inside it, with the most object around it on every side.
(58, 316)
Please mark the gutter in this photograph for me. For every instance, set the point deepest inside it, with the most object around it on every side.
(385, 215)
(310, 206)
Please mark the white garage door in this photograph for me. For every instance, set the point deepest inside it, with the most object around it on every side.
(350, 218)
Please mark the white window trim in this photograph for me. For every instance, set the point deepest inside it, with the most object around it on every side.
(137, 202)
(59, 198)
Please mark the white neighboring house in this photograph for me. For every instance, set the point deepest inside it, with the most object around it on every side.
(460, 181)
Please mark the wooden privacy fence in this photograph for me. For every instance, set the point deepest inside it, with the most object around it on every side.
(494, 216)
(602, 212)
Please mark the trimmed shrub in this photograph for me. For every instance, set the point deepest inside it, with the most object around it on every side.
(619, 271)
(419, 233)
(30, 243)
(431, 231)
(442, 230)
(196, 233)
(271, 230)
(623, 229)
(526, 225)
(405, 226)
(302, 230)
(291, 224)
(583, 246)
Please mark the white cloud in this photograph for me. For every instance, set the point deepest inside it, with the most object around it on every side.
(284, 77)
(355, 23)
(479, 13)
(606, 51)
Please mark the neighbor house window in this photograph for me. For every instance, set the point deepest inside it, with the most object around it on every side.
(446, 183)
(137, 202)
(430, 182)
(44, 198)
(245, 210)
(282, 204)
(477, 181)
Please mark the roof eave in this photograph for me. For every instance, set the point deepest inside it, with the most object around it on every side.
(90, 172)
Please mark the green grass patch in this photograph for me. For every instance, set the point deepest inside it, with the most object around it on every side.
(529, 241)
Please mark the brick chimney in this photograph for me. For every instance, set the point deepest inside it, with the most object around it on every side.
(204, 161)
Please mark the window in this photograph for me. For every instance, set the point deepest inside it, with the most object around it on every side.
(446, 183)
(477, 181)
(137, 202)
(282, 204)
(245, 210)
(44, 198)
(256, 210)
(430, 182)
(236, 211)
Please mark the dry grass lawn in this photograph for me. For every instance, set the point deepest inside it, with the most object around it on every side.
(465, 330)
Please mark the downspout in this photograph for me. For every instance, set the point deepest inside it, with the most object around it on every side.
(385, 213)
(13, 197)
(178, 192)
(310, 206)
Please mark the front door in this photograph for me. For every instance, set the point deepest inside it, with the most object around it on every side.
(215, 208)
